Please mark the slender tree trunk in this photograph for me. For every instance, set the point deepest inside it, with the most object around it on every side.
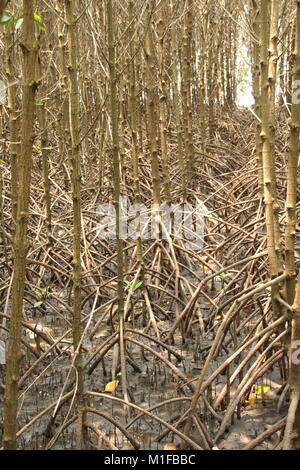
(116, 180)
(64, 141)
(186, 90)
(45, 164)
(134, 133)
(14, 148)
(294, 378)
(162, 103)
(151, 101)
(272, 74)
(75, 163)
(292, 165)
(268, 158)
(210, 73)
(202, 91)
(20, 244)
(176, 100)
(256, 93)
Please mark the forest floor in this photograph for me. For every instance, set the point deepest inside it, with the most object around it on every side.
(162, 367)
(152, 385)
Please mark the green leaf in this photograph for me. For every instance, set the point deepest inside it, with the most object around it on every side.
(6, 19)
(3, 162)
(222, 275)
(38, 21)
(37, 148)
(18, 22)
(41, 26)
(137, 285)
(38, 303)
(47, 148)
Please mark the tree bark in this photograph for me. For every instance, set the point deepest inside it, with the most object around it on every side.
(20, 244)
(75, 164)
